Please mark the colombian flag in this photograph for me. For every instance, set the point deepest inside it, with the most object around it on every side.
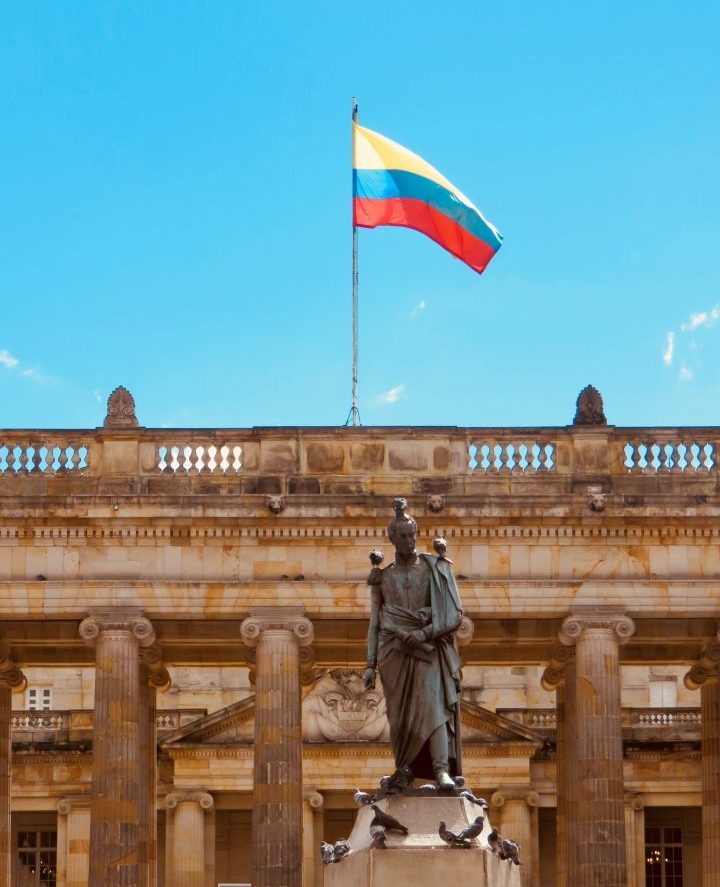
(393, 186)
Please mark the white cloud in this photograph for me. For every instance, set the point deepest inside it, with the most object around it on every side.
(7, 360)
(419, 308)
(685, 374)
(97, 396)
(669, 350)
(10, 362)
(393, 395)
(701, 318)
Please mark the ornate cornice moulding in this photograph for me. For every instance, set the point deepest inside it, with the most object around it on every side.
(293, 534)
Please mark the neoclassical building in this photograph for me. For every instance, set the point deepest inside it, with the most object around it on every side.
(183, 621)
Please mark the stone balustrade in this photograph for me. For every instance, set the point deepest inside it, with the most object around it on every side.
(314, 460)
(77, 724)
(638, 718)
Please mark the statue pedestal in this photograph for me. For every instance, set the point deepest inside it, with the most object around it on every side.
(421, 858)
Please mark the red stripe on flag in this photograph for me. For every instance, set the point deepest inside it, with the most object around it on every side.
(416, 214)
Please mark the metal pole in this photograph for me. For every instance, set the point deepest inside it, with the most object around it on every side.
(355, 414)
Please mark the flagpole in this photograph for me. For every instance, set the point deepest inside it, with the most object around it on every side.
(354, 412)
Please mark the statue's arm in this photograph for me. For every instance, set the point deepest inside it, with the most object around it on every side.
(374, 627)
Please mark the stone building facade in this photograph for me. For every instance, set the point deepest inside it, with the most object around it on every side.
(183, 619)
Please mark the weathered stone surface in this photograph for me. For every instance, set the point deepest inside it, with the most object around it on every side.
(325, 457)
(408, 456)
(367, 456)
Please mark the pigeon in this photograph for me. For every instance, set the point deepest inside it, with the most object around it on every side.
(340, 850)
(469, 796)
(362, 799)
(473, 830)
(493, 840)
(327, 851)
(450, 837)
(379, 839)
(386, 821)
(398, 782)
(510, 850)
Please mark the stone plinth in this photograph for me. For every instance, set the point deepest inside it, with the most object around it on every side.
(421, 858)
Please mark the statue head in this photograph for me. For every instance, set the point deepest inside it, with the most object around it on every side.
(402, 529)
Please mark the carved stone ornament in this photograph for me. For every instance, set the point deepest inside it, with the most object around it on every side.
(138, 626)
(276, 503)
(575, 626)
(204, 799)
(589, 408)
(121, 410)
(338, 709)
(288, 619)
(435, 502)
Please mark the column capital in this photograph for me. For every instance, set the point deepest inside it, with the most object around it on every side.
(707, 669)
(117, 619)
(314, 799)
(575, 626)
(554, 674)
(287, 619)
(76, 802)
(190, 796)
(634, 800)
(11, 677)
(465, 632)
(514, 793)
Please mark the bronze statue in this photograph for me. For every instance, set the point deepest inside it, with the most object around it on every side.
(415, 613)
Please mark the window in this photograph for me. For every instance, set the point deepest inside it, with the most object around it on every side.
(663, 857)
(663, 692)
(39, 699)
(36, 858)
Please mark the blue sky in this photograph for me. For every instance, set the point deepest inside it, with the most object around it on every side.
(176, 211)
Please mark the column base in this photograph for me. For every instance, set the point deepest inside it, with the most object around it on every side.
(421, 858)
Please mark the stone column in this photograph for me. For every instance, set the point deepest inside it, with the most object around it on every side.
(276, 633)
(514, 803)
(11, 680)
(706, 676)
(595, 817)
(312, 835)
(635, 839)
(73, 842)
(710, 748)
(560, 677)
(118, 811)
(188, 854)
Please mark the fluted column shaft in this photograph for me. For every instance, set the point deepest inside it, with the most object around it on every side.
(11, 679)
(312, 835)
(5, 765)
(73, 842)
(118, 818)
(595, 815)
(635, 840)
(515, 823)
(277, 803)
(710, 709)
(188, 855)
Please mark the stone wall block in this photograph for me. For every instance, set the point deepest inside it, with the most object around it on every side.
(367, 457)
(410, 456)
(278, 457)
(324, 457)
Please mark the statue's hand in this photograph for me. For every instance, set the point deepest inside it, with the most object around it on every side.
(415, 638)
(369, 679)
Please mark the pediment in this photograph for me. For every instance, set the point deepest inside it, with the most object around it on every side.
(482, 725)
(338, 710)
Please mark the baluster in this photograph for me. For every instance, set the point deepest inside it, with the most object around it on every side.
(237, 460)
(200, 462)
(23, 459)
(473, 461)
(75, 458)
(211, 453)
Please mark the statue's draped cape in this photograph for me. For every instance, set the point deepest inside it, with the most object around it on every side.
(421, 683)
